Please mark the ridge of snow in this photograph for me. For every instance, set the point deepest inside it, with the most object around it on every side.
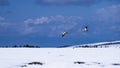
(114, 44)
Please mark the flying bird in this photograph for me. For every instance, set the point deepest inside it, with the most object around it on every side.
(85, 29)
(64, 33)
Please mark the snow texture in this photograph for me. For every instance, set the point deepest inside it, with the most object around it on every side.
(60, 58)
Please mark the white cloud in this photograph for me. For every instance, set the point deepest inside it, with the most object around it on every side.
(109, 14)
(7, 27)
(109, 19)
(50, 25)
(3, 22)
(67, 2)
(36, 21)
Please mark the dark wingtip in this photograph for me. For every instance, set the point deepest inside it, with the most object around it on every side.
(63, 35)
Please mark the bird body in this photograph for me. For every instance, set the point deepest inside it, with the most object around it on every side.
(85, 29)
(64, 33)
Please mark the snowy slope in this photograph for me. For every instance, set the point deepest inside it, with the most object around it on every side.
(59, 58)
(112, 44)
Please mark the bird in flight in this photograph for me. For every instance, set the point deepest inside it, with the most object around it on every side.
(64, 33)
(85, 29)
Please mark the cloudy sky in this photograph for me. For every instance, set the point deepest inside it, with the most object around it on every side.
(40, 22)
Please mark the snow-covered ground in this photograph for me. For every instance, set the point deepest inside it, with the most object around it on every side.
(59, 58)
(112, 44)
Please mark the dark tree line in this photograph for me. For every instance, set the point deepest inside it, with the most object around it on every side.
(21, 46)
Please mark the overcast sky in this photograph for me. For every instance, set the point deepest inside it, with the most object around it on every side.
(40, 22)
